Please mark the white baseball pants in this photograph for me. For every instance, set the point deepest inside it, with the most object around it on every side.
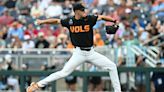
(80, 56)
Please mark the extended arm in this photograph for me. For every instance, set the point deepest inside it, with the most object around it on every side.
(106, 18)
(112, 28)
(48, 21)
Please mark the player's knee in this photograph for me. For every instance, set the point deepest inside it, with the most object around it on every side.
(114, 65)
(111, 66)
(65, 73)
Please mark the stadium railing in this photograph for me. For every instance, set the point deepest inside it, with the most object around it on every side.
(54, 56)
(83, 74)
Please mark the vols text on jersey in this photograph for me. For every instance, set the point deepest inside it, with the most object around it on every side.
(80, 29)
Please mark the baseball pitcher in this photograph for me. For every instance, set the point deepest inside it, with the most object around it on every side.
(81, 33)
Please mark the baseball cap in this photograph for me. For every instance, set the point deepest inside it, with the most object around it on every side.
(40, 34)
(78, 6)
(26, 37)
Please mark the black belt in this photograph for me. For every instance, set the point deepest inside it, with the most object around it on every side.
(86, 48)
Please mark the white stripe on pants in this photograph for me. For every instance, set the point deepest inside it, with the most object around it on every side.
(79, 57)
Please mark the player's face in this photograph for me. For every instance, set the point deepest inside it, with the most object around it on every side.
(81, 13)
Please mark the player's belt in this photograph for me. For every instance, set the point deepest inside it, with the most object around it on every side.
(86, 48)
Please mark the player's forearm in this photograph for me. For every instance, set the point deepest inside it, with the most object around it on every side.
(49, 21)
(106, 18)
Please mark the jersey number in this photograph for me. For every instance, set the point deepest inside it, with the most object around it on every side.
(79, 29)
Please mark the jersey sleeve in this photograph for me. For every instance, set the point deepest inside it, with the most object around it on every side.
(64, 22)
(93, 19)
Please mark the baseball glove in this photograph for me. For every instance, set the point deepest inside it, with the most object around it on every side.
(112, 29)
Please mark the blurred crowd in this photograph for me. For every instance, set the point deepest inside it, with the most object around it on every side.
(139, 21)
